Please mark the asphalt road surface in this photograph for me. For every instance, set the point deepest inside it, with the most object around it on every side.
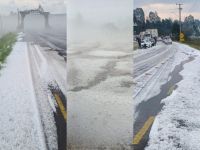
(144, 62)
(99, 93)
(53, 48)
(147, 110)
(56, 40)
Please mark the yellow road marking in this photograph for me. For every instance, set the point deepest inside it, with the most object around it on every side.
(60, 104)
(143, 130)
(170, 90)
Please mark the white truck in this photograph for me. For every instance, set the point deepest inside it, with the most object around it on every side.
(153, 32)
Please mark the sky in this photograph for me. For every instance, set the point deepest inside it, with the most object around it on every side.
(100, 10)
(54, 6)
(93, 18)
(168, 8)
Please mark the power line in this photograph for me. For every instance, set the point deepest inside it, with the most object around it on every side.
(192, 6)
(174, 13)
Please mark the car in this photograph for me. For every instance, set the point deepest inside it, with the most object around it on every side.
(147, 42)
(153, 41)
(159, 39)
(167, 40)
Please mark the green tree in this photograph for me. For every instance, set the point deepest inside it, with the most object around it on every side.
(175, 30)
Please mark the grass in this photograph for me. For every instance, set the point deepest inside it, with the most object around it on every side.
(6, 44)
(195, 43)
(135, 45)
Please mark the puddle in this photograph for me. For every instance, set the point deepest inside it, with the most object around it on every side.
(153, 106)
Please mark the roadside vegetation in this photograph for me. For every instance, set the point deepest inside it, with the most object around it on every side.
(135, 45)
(195, 43)
(6, 43)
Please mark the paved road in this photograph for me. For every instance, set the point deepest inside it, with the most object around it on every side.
(151, 58)
(99, 93)
(147, 110)
(53, 48)
(50, 38)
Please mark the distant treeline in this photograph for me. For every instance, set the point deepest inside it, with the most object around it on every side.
(190, 26)
(165, 27)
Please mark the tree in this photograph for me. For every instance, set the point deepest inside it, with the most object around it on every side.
(175, 30)
(166, 26)
(139, 20)
(190, 26)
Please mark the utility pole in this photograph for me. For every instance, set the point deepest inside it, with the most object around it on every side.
(180, 9)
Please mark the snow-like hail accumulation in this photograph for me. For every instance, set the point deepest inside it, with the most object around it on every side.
(100, 111)
(177, 126)
(51, 71)
(20, 123)
(147, 84)
(145, 51)
(106, 53)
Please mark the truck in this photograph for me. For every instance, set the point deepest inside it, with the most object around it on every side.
(148, 38)
(153, 32)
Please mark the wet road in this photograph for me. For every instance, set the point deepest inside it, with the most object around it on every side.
(148, 110)
(99, 86)
(146, 61)
(49, 38)
(60, 117)
(53, 46)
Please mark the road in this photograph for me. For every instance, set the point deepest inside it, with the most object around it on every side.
(48, 49)
(151, 58)
(49, 38)
(155, 78)
(99, 94)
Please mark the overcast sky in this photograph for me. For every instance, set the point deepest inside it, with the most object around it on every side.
(90, 19)
(168, 8)
(54, 6)
(98, 10)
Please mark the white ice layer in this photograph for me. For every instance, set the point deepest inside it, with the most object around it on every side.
(177, 126)
(20, 124)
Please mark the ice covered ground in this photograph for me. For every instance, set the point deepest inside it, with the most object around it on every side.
(146, 51)
(147, 83)
(99, 96)
(21, 127)
(177, 126)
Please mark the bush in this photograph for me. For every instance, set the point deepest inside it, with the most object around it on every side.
(6, 44)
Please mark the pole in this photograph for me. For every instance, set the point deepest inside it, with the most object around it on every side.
(180, 9)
